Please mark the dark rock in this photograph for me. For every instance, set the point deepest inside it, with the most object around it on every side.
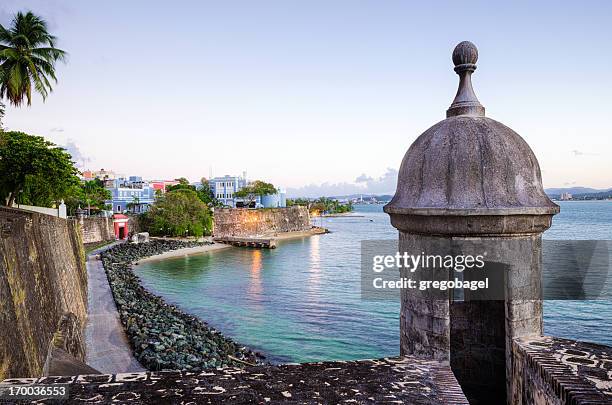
(161, 335)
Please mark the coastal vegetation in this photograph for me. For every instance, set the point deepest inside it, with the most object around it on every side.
(204, 191)
(90, 195)
(178, 212)
(27, 59)
(161, 335)
(256, 189)
(34, 171)
(322, 205)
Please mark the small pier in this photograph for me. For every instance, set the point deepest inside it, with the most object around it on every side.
(266, 243)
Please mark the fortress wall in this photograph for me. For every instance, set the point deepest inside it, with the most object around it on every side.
(42, 279)
(549, 371)
(97, 229)
(265, 221)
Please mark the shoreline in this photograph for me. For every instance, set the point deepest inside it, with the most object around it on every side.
(315, 230)
(342, 215)
(161, 335)
(181, 252)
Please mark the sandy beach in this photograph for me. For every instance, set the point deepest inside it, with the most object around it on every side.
(218, 246)
(185, 252)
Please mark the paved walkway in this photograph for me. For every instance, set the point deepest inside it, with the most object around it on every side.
(108, 349)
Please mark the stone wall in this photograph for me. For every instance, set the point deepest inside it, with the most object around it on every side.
(550, 371)
(260, 222)
(97, 229)
(42, 278)
(408, 380)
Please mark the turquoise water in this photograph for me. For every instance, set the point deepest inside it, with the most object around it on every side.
(301, 302)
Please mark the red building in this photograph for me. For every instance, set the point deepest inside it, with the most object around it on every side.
(120, 224)
(162, 184)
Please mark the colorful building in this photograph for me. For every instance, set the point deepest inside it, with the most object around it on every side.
(225, 187)
(161, 185)
(99, 174)
(132, 194)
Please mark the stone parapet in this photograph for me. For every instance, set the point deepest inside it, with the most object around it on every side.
(549, 370)
(396, 380)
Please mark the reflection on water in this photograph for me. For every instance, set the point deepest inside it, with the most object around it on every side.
(315, 263)
(255, 288)
(301, 301)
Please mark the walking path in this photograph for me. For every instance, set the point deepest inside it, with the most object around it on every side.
(108, 349)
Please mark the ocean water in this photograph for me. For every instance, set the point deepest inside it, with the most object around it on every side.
(301, 302)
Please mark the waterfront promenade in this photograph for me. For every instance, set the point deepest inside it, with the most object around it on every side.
(107, 346)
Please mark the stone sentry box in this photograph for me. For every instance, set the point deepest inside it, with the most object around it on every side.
(471, 181)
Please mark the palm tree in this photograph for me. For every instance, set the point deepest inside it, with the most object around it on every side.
(27, 59)
(1, 115)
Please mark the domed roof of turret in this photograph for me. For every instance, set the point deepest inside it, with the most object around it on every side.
(469, 164)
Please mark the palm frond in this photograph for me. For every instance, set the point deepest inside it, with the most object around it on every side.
(27, 59)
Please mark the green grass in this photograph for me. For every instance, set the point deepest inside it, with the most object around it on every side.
(90, 247)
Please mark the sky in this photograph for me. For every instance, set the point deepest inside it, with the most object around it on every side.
(318, 97)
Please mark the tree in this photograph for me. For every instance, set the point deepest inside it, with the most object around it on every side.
(178, 213)
(34, 170)
(254, 189)
(27, 59)
(322, 205)
(1, 115)
(180, 186)
(134, 205)
(206, 194)
(298, 201)
(89, 194)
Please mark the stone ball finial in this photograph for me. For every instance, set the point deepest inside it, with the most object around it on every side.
(465, 56)
(465, 53)
(469, 165)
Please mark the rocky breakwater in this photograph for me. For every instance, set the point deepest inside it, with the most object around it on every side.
(162, 336)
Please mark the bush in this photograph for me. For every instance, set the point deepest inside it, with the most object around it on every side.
(178, 213)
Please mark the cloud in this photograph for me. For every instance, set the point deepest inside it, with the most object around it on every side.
(363, 179)
(363, 184)
(78, 158)
(577, 152)
(57, 129)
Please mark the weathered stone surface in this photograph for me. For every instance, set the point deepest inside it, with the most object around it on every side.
(471, 183)
(398, 380)
(66, 348)
(470, 163)
(261, 222)
(550, 370)
(42, 277)
(96, 229)
(60, 362)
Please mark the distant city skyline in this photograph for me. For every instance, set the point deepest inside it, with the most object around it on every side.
(317, 96)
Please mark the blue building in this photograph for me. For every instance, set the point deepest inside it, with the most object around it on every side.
(225, 187)
(277, 200)
(132, 194)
